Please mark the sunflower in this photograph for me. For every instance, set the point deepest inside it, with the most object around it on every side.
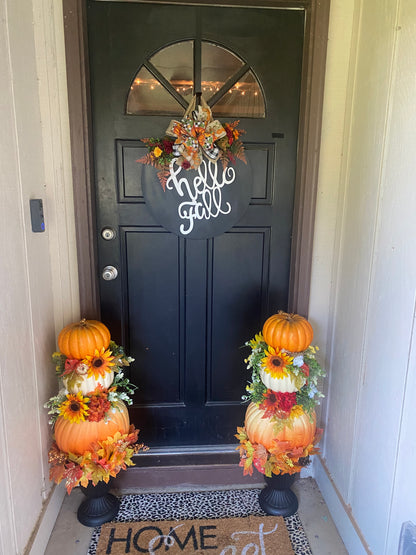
(255, 342)
(99, 363)
(276, 362)
(75, 408)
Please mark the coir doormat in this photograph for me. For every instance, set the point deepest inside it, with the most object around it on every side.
(254, 534)
(160, 510)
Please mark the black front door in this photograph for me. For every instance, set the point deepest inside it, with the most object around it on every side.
(183, 308)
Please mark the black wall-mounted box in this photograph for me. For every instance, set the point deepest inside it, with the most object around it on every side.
(36, 215)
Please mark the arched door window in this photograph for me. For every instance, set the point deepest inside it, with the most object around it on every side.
(165, 83)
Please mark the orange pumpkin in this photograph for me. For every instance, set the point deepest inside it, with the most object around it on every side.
(291, 332)
(77, 437)
(80, 339)
(261, 430)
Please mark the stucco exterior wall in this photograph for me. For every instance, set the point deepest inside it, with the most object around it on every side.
(369, 334)
(39, 290)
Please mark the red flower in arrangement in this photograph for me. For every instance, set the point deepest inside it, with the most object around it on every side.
(287, 401)
(305, 369)
(167, 146)
(230, 134)
(277, 403)
(186, 165)
(70, 365)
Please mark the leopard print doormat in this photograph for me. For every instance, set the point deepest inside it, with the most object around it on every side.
(203, 506)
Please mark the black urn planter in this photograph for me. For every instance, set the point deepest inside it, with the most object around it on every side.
(277, 498)
(100, 505)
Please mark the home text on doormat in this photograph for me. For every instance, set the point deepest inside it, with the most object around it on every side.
(227, 536)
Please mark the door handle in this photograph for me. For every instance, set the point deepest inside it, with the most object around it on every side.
(109, 273)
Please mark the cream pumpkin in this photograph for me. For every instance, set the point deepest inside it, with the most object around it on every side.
(288, 384)
(87, 384)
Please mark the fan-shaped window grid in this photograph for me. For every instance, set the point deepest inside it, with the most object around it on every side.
(164, 84)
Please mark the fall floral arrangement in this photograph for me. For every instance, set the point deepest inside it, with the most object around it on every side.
(280, 430)
(195, 137)
(93, 437)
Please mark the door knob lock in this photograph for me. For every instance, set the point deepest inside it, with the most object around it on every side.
(109, 273)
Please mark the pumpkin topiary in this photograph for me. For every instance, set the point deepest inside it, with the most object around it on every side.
(291, 332)
(76, 437)
(80, 339)
(300, 433)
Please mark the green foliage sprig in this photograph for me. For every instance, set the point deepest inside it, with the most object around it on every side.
(121, 389)
(308, 396)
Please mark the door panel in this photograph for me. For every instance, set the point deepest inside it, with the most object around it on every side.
(235, 305)
(159, 335)
(183, 308)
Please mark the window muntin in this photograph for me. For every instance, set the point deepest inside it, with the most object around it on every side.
(165, 83)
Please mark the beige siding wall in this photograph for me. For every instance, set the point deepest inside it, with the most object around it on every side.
(371, 291)
(39, 290)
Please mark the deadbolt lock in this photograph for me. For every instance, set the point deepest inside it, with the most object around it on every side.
(108, 233)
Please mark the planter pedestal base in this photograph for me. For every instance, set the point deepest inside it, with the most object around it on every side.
(100, 505)
(277, 498)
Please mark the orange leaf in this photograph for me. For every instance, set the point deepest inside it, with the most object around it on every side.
(73, 474)
(56, 472)
(279, 447)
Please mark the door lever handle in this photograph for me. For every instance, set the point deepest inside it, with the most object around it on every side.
(109, 273)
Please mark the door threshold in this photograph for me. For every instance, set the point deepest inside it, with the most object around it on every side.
(186, 468)
(187, 455)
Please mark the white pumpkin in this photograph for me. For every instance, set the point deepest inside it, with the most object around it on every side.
(85, 385)
(287, 384)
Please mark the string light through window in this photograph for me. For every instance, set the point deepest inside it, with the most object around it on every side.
(164, 84)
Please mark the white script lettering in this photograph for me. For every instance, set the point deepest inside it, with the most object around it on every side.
(203, 195)
(245, 551)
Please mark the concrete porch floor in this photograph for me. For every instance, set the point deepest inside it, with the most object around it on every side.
(69, 537)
